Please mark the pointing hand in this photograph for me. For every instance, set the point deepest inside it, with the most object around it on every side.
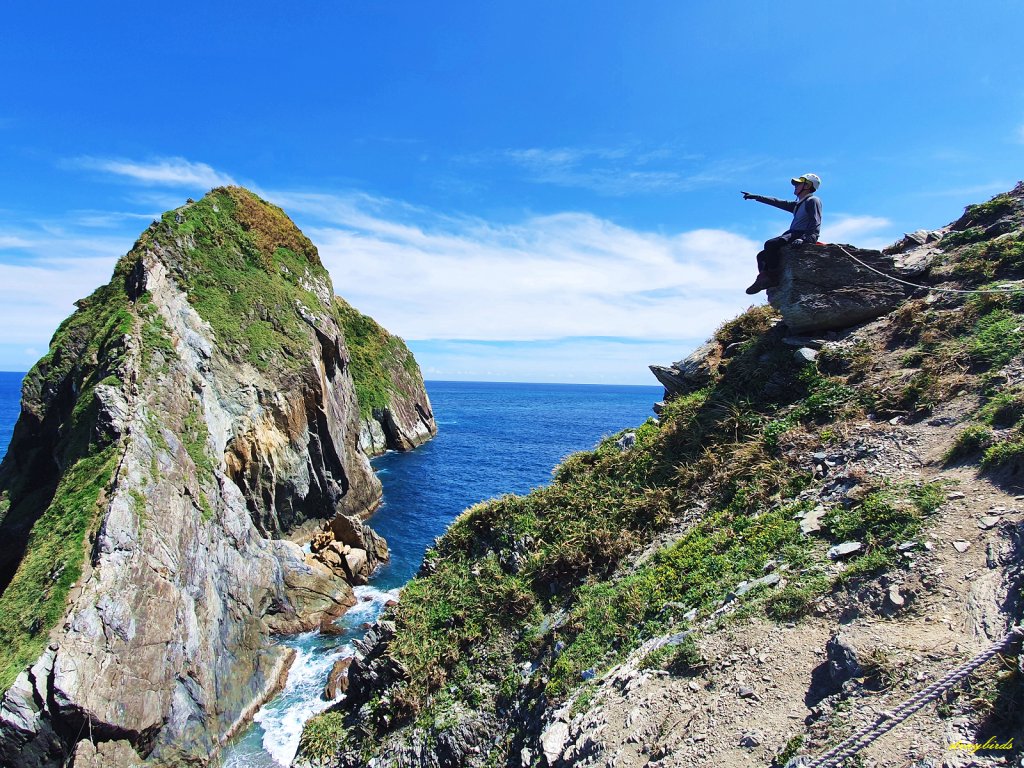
(746, 195)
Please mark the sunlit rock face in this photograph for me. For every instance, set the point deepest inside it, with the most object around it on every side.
(189, 416)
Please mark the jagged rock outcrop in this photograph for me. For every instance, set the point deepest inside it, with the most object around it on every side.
(188, 416)
(821, 288)
(350, 548)
(691, 373)
(395, 411)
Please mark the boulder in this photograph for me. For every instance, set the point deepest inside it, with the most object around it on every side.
(842, 659)
(312, 590)
(356, 566)
(821, 288)
(103, 754)
(337, 680)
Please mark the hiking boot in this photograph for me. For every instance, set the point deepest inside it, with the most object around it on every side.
(759, 284)
(767, 279)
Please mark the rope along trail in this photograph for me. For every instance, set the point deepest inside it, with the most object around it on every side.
(886, 721)
(927, 287)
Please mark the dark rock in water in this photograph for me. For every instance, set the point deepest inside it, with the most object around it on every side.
(337, 680)
(691, 373)
(822, 288)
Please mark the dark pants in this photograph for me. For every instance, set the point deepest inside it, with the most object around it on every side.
(769, 259)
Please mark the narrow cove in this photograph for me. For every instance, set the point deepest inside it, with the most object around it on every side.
(493, 438)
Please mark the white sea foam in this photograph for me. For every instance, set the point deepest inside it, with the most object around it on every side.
(283, 718)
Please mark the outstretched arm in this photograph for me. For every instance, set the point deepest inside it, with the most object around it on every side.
(786, 205)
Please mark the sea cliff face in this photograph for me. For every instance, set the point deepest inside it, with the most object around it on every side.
(394, 409)
(189, 416)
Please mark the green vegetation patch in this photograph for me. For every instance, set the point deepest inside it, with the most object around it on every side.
(382, 365)
(321, 736)
(35, 599)
(723, 549)
(996, 338)
(461, 624)
(156, 336)
(246, 268)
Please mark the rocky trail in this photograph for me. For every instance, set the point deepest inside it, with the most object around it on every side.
(767, 686)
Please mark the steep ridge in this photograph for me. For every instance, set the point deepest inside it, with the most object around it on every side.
(188, 417)
(393, 406)
(812, 530)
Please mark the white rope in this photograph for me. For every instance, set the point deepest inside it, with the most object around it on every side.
(886, 721)
(927, 287)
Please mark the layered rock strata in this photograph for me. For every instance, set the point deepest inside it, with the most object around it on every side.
(188, 417)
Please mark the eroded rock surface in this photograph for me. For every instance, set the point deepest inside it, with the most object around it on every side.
(823, 288)
(206, 399)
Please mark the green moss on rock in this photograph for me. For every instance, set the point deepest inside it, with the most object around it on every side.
(247, 269)
(382, 365)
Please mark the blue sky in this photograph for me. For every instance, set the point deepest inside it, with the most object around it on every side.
(525, 191)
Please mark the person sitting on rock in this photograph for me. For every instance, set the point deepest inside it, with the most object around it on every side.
(804, 229)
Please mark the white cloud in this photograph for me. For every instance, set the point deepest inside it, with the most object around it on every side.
(13, 241)
(862, 231)
(568, 292)
(169, 171)
(545, 277)
(617, 171)
(108, 219)
(37, 297)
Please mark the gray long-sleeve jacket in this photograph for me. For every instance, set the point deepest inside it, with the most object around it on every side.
(806, 216)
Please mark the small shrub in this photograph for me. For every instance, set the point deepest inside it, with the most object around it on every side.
(964, 237)
(794, 600)
(827, 398)
(774, 430)
(1004, 454)
(996, 339)
(682, 659)
(789, 751)
(1005, 408)
(322, 736)
(969, 441)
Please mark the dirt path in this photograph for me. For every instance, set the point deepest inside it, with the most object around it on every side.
(761, 690)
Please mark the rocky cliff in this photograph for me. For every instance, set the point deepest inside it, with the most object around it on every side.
(190, 417)
(814, 529)
(394, 409)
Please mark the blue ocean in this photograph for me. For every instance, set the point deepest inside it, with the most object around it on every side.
(493, 438)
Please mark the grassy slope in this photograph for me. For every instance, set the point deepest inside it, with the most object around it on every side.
(86, 350)
(245, 267)
(552, 578)
(382, 365)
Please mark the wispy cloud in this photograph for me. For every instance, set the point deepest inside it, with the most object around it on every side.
(38, 296)
(168, 171)
(9, 242)
(427, 276)
(616, 171)
(581, 291)
(863, 231)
